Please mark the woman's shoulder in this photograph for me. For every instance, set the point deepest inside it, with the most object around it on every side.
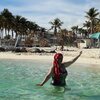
(65, 64)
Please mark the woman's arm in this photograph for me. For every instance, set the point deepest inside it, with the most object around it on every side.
(66, 64)
(47, 77)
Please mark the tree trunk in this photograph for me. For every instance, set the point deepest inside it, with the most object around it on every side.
(55, 31)
(91, 26)
(62, 45)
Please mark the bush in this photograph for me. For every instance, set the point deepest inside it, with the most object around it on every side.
(2, 49)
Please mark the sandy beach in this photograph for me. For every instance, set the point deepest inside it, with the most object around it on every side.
(89, 56)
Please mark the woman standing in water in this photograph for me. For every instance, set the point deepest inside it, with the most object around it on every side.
(58, 72)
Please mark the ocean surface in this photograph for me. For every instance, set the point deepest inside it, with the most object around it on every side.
(18, 79)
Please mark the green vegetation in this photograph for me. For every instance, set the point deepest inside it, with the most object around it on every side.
(91, 15)
(18, 25)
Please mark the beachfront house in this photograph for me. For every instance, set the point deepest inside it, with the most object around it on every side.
(83, 43)
(36, 40)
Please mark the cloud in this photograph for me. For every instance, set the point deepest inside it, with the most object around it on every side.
(71, 12)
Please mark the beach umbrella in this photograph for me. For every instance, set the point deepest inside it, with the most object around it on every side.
(95, 35)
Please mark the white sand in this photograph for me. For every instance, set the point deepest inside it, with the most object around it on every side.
(89, 56)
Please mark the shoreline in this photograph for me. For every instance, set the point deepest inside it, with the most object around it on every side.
(85, 58)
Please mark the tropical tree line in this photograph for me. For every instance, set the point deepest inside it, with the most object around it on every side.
(11, 25)
(91, 25)
(19, 25)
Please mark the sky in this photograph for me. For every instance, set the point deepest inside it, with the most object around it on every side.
(70, 12)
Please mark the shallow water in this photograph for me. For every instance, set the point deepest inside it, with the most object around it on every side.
(18, 79)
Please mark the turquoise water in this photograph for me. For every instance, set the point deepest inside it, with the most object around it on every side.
(18, 79)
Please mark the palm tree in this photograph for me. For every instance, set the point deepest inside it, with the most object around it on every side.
(75, 29)
(87, 25)
(20, 26)
(97, 25)
(56, 24)
(83, 32)
(91, 15)
(17, 25)
(30, 27)
(42, 32)
(7, 20)
(36, 28)
(23, 26)
(1, 26)
(62, 37)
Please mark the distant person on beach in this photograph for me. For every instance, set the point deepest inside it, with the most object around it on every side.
(58, 72)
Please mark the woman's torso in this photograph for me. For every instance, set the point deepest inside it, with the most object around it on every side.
(62, 77)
